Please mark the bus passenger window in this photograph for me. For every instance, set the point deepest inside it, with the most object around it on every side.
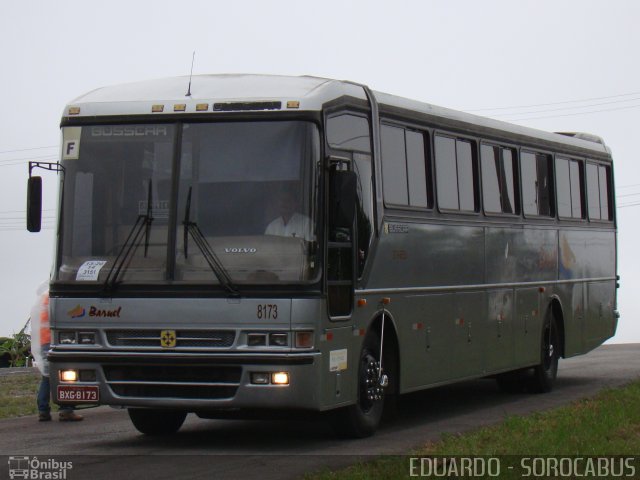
(394, 165)
(598, 179)
(498, 182)
(577, 187)
(569, 188)
(455, 174)
(536, 184)
(563, 185)
(416, 170)
(404, 168)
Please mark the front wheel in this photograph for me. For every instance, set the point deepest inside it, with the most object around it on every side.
(156, 422)
(362, 419)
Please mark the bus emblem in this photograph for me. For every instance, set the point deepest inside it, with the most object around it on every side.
(168, 338)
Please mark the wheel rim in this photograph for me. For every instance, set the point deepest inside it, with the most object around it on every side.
(549, 348)
(371, 393)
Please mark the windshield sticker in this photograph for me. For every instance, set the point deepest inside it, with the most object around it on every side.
(71, 143)
(159, 208)
(338, 360)
(89, 271)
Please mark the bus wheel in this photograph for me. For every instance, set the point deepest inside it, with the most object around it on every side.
(362, 419)
(544, 374)
(156, 422)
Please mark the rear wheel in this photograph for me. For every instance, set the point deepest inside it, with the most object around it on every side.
(362, 419)
(539, 379)
(156, 422)
(544, 374)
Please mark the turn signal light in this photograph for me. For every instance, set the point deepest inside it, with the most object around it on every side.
(304, 339)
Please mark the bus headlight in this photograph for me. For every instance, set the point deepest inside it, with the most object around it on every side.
(86, 338)
(278, 339)
(257, 339)
(260, 378)
(67, 338)
(68, 375)
(280, 378)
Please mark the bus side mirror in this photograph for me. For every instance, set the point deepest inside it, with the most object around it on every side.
(34, 204)
(342, 198)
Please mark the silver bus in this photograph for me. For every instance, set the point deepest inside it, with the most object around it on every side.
(258, 243)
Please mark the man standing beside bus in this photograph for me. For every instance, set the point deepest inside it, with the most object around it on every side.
(41, 337)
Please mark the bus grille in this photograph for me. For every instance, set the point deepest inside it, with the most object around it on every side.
(170, 381)
(184, 338)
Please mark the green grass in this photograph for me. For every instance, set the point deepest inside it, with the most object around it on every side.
(18, 393)
(606, 425)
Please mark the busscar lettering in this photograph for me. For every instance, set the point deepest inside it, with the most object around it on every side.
(97, 312)
(129, 131)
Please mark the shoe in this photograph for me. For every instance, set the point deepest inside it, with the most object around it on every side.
(69, 417)
(44, 417)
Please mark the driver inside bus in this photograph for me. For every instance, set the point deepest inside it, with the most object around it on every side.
(289, 222)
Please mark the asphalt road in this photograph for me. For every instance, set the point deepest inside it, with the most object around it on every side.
(106, 445)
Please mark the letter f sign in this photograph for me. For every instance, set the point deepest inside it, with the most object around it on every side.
(70, 150)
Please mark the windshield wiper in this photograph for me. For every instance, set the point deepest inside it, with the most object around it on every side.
(143, 223)
(214, 263)
(149, 220)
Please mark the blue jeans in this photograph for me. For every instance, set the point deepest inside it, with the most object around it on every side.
(44, 396)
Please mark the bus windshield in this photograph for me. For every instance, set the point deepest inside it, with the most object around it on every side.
(237, 200)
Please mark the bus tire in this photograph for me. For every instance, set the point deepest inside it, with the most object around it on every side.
(544, 374)
(363, 418)
(156, 422)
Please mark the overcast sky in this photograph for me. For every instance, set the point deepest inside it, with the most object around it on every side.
(575, 61)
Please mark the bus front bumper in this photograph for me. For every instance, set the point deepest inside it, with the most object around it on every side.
(194, 381)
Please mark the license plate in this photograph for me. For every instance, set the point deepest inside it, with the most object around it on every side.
(78, 393)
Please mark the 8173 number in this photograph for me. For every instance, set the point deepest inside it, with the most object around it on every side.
(267, 312)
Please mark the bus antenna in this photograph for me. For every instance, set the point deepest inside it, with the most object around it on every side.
(191, 74)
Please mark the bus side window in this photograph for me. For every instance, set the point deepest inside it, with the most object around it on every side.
(569, 182)
(349, 132)
(455, 174)
(598, 181)
(404, 167)
(498, 179)
(536, 184)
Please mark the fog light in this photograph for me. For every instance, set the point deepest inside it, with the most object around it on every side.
(280, 378)
(67, 338)
(69, 375)
(304, 339)
(86, 338)
(278, 339)
(260, 378)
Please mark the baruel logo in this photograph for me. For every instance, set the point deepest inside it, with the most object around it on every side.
(77, 312)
